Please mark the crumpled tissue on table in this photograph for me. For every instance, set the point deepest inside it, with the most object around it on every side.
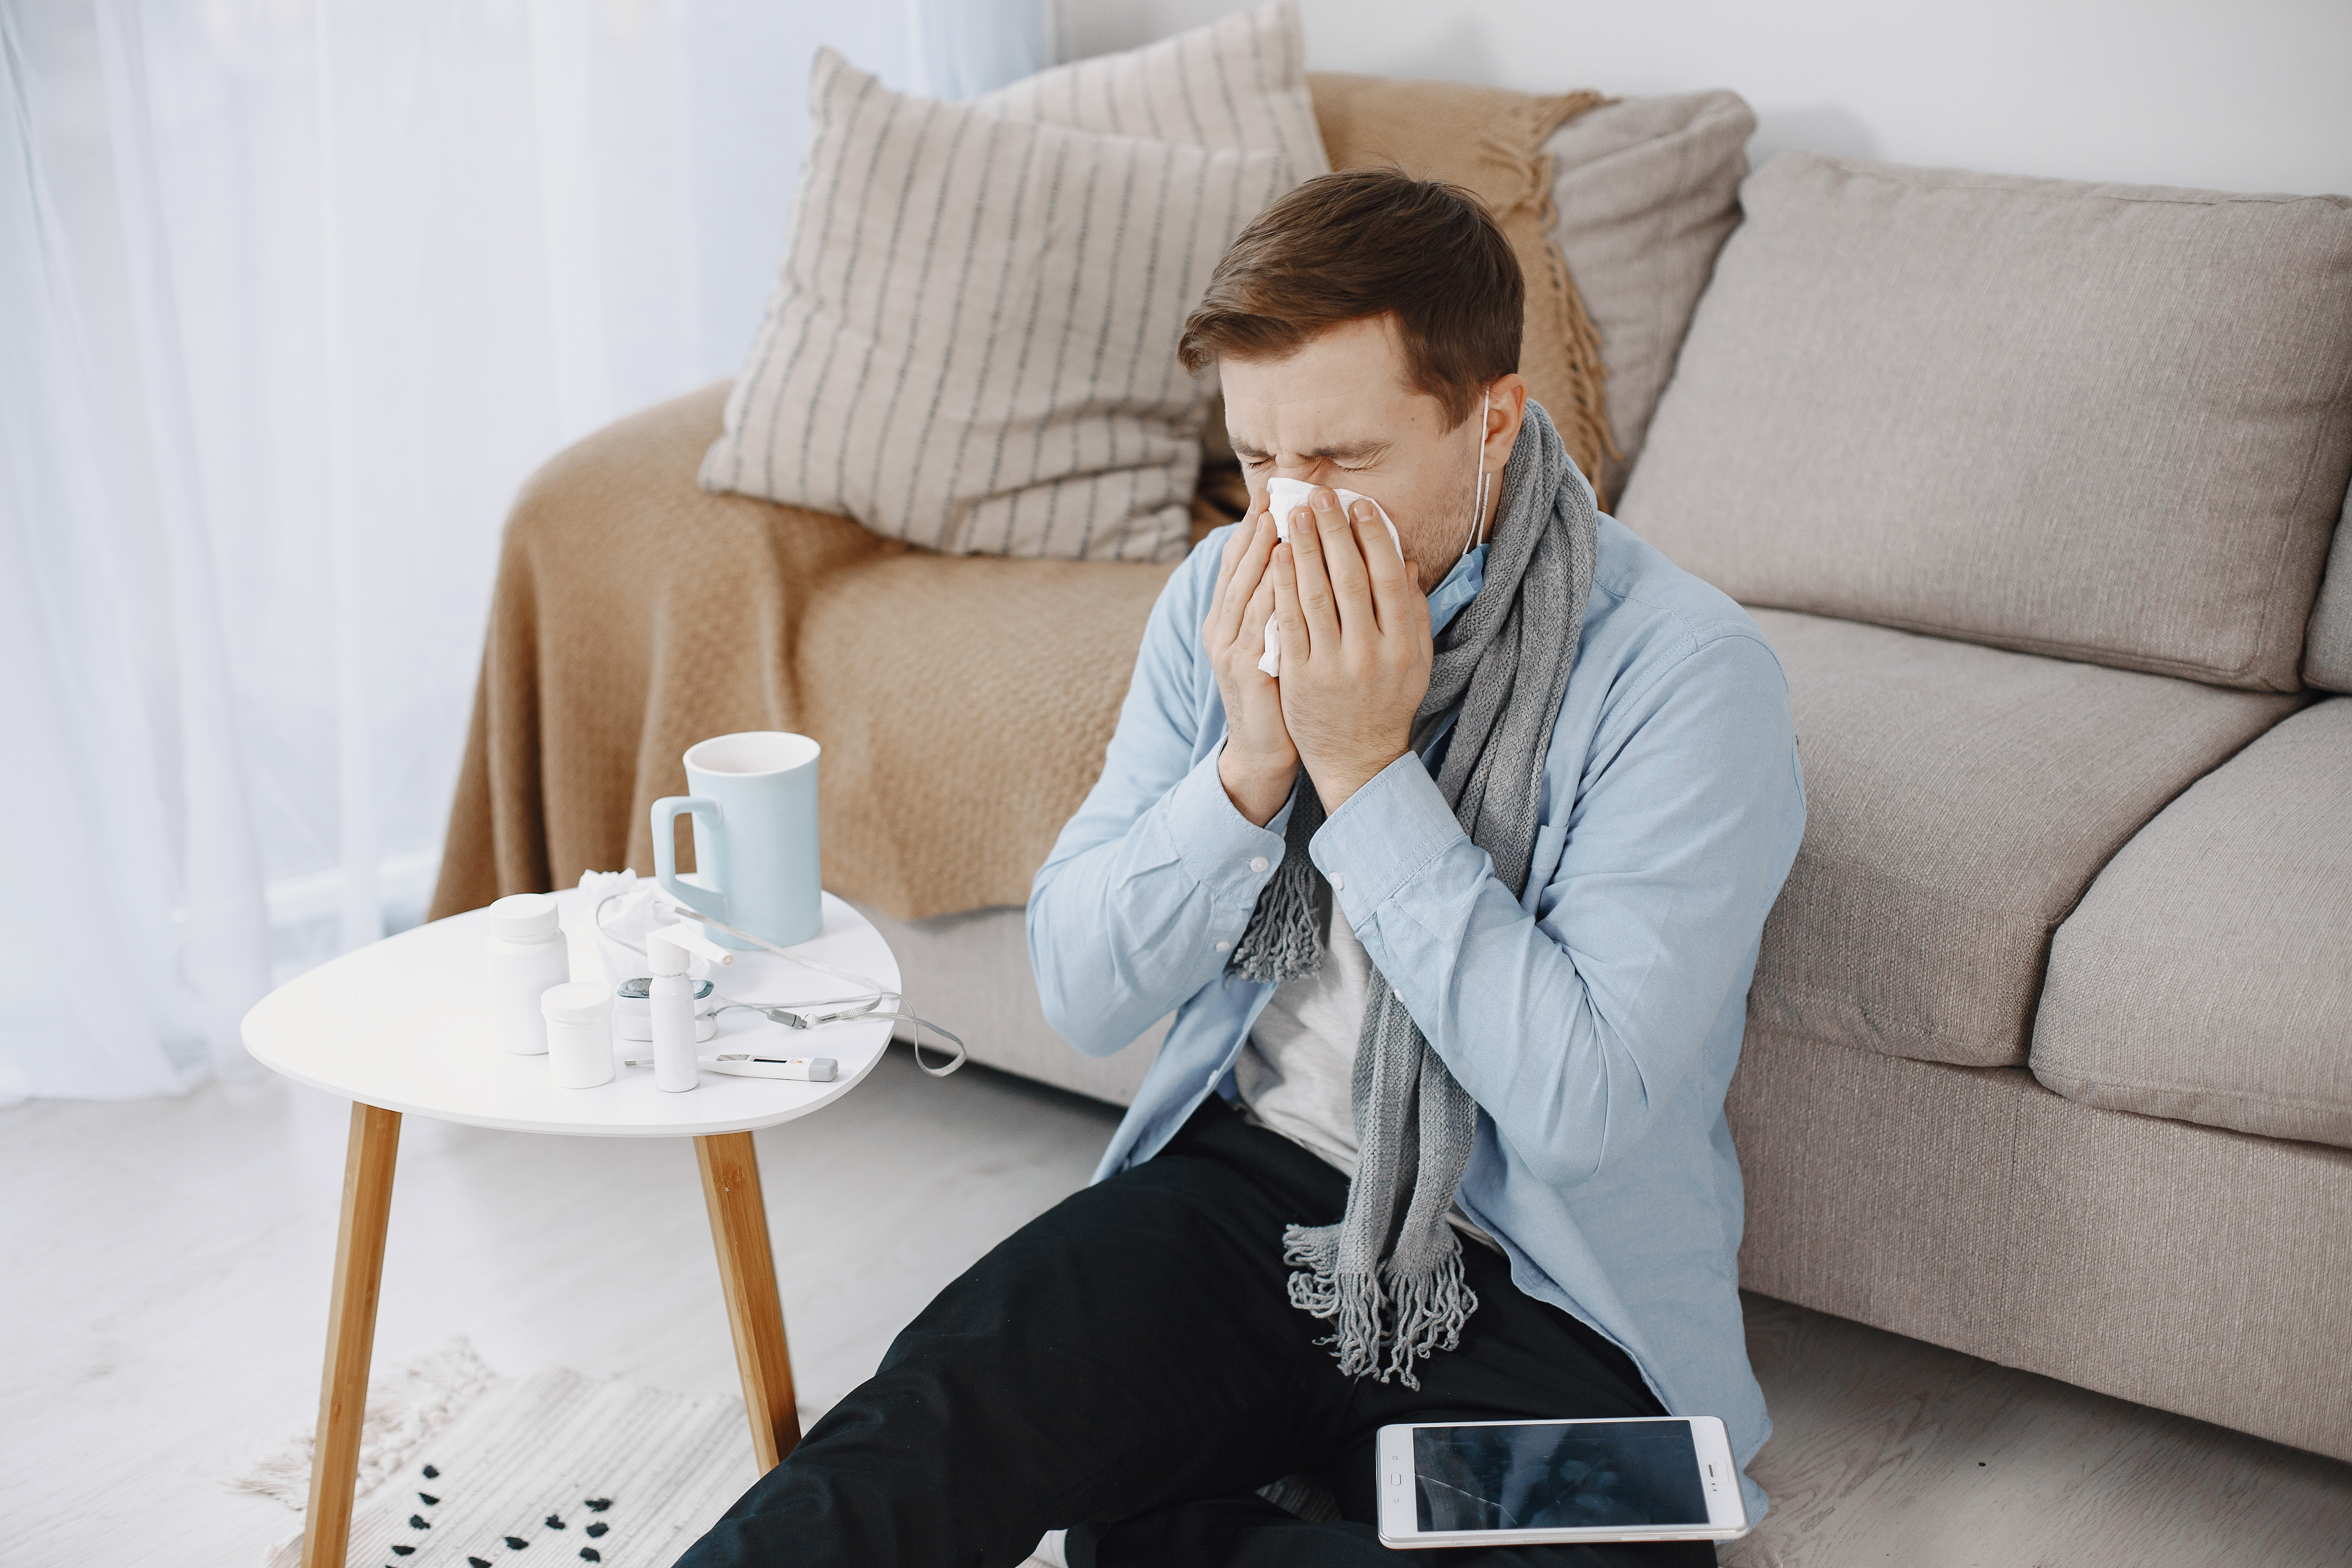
(639, 908)
(1284, 497)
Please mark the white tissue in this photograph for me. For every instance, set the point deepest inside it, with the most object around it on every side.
(1284, 497)
(639, 908)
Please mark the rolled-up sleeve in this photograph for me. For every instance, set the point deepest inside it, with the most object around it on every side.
(1153, 881)
(1571, 1016)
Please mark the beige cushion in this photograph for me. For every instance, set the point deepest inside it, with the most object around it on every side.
(2328, 648)
(1644, 191)
(1239, 82)
(1490, 140)
(972, 344)
(1958, 800)
(2207, 975)
(2104, 422)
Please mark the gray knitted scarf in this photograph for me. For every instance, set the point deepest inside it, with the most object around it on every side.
(1390, 1272)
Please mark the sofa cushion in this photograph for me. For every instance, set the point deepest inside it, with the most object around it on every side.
(2104, 422)
(2328, 647)
(1959, 800)
(1489, 140)
(972, 345)
(2207, 976)
(1644, 191)
(1240, 83)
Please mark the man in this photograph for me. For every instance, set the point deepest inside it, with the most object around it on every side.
(1456, 916)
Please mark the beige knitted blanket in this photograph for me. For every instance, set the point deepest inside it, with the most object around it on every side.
(963, 702)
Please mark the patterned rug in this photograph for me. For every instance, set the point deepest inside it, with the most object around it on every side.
(474, 1470)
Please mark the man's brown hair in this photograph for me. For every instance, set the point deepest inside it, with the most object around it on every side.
(1371, 242)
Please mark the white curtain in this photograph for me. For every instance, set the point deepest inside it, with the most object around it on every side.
(293, 296)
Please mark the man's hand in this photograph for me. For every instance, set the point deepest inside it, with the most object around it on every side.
(1259, 764)
(1355, 645)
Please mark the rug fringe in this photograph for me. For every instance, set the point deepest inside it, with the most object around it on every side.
(406, 1404)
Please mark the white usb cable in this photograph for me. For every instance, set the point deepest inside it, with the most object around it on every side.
(837, 1009)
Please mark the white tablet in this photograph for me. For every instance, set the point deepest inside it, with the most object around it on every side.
(1667, 1477)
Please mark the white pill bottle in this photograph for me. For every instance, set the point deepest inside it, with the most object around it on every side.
(528, 955)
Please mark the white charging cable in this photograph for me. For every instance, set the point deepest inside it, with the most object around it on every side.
(827, 1010)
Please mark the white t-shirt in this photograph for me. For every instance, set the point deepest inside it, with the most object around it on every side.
(1293, 1069)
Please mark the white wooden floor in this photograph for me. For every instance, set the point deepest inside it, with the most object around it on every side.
(163, 1295)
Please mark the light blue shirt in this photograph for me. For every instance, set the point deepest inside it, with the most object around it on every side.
(1596, 1020)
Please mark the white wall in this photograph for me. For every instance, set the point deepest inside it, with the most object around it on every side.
(2242, 95)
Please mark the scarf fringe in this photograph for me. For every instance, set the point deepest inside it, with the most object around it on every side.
(1281, 941)
(1430, 1309)
(1285, 937)
(1350, 1298)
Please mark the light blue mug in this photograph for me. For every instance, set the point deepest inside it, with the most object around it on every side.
(755, 851)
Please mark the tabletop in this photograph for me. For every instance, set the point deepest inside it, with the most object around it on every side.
(405, 1024)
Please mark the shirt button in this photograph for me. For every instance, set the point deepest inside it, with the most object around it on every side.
(1257, 862)
(1339, 881)
(1225, 947)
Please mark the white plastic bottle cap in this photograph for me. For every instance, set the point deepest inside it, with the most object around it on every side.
(523, 916)
(576, 1002)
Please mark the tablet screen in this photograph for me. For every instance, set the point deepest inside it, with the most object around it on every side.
(1558, 1476)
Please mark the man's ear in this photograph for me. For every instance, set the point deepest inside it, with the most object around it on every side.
(1507, 410)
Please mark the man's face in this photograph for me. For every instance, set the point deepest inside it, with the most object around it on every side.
(1342, 412)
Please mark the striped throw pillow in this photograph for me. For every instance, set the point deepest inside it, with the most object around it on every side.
(973, 343)
(1240, 81)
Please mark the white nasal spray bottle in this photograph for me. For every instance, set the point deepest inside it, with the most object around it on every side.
(670, 1000)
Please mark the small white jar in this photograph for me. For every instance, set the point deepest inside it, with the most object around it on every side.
(579, 1016)
(528, 955)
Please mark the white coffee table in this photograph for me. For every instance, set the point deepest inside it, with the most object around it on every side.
(403, 1027)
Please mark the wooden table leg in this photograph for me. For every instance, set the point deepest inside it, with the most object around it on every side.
(747, 1272)
(351, 1333)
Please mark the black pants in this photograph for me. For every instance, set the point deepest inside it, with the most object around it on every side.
(1129, 1365)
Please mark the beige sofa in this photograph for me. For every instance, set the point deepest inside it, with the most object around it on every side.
(2050, 1047)
(2031, 487)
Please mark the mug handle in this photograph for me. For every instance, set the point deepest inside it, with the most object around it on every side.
(710, 901)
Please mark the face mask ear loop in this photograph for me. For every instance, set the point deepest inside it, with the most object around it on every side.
(1477, 532)
(1478, 490)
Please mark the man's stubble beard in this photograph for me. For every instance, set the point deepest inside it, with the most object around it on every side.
(1454, 537)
